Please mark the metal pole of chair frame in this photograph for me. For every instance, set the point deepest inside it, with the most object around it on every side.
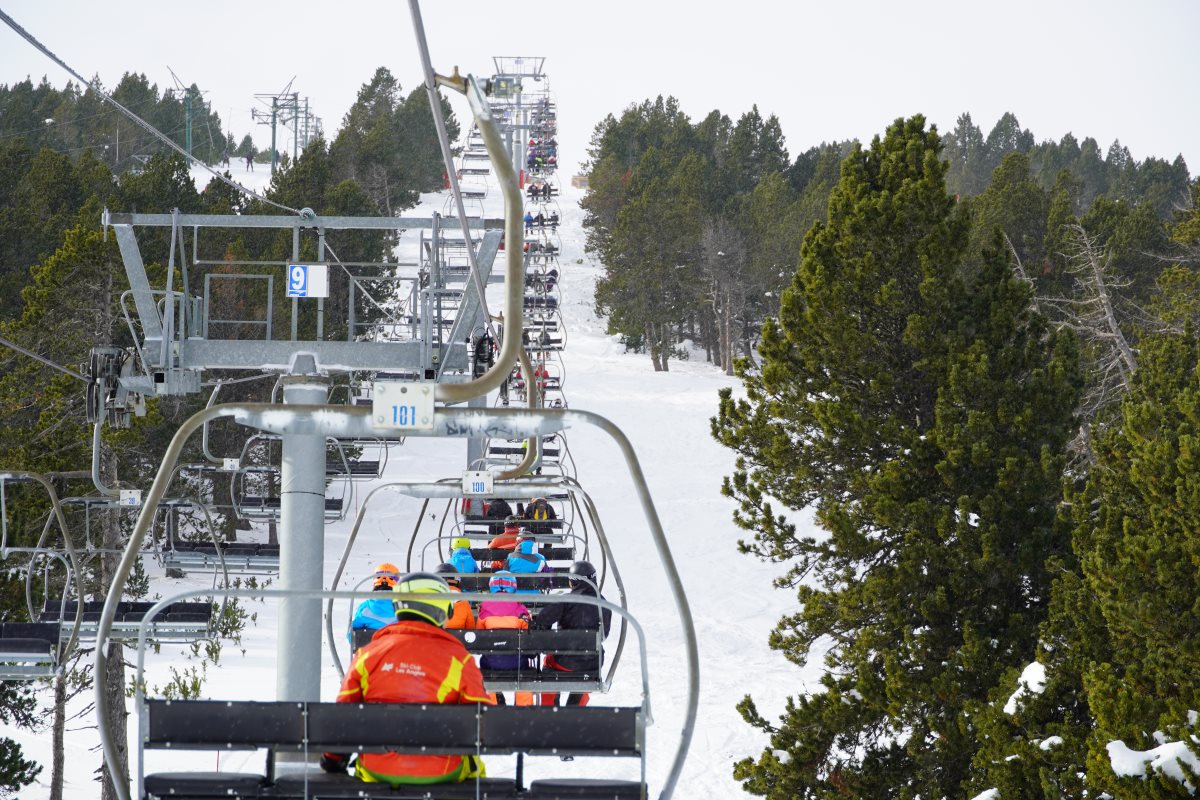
(439, 123)
(96, 479)
(608, 563)
(475, 445)
(295, 259)
(320, 300)
(514, 272)
(533, 446)
(320, 421)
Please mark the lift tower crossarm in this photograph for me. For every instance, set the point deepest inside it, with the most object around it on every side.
(283, 221)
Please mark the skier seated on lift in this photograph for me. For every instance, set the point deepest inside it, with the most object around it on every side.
(497, 510)
(461, 617)
(376, 613)
(507, 538)
(528, 222)
(540, 509)
(526, 560)
(505, 613)
(575, 617)
(436, 669)
(538, 514)
(461, 557)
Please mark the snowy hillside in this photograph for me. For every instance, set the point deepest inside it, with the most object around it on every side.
(666, 416)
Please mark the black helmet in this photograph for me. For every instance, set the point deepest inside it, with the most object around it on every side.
(448, 572)
(582, 569)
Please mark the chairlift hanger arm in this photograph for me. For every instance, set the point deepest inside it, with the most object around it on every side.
(514, 272)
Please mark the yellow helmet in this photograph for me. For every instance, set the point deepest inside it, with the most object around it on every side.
(434, 610)
(461, 541)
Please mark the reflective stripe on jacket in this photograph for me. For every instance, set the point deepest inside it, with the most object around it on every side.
(413, 662)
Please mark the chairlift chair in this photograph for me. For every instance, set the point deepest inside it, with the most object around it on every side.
(212, 554)
(28, 650)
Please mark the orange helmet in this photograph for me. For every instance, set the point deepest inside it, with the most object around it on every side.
(386, 574)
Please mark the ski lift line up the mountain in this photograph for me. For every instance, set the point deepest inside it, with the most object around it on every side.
(174, 347)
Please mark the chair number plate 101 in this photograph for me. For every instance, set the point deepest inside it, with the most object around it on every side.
(403, 405)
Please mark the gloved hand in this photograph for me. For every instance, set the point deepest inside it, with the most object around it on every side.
(334, 762)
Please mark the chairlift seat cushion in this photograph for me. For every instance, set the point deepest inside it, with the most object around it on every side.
(332, 724)
(585, 789)
(567, 730)
(491, 788)
(202, 785)
(25, 649)
(513, 677)
(329, 785)
(46, 633)
(220, 725)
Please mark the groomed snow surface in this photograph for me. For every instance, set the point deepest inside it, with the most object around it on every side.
(666, 417)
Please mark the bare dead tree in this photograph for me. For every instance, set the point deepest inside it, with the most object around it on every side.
(1019, 269)
(1092, 314)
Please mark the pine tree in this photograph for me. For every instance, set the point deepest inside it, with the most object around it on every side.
(920, 411)
(651, 278)
(1017, 205)
(1138, 544)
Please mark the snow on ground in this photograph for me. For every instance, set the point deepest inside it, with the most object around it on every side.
(666, 417)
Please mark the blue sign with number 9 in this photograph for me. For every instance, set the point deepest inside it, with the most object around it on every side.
(298, 280)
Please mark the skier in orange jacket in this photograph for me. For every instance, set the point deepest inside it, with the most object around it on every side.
(413, 661)
(461, 617)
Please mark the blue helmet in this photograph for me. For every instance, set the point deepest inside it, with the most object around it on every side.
(503, 582)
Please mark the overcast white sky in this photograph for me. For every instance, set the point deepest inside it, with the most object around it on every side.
(829, 70)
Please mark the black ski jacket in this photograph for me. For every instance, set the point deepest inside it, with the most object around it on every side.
(576, 617)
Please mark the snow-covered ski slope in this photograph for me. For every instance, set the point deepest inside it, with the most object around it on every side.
(666, 416)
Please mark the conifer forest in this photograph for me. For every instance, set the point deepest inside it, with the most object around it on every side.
(972, 354)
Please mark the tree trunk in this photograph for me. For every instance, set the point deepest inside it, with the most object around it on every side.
(56, 736)
(116, 725)
(748, 341)
(652, 347)
(727, 333)
(664, 345)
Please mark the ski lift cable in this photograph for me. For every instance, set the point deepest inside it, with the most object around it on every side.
(13, 345)
(27, 36)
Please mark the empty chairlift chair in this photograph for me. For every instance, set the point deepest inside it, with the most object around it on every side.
(28, 650)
